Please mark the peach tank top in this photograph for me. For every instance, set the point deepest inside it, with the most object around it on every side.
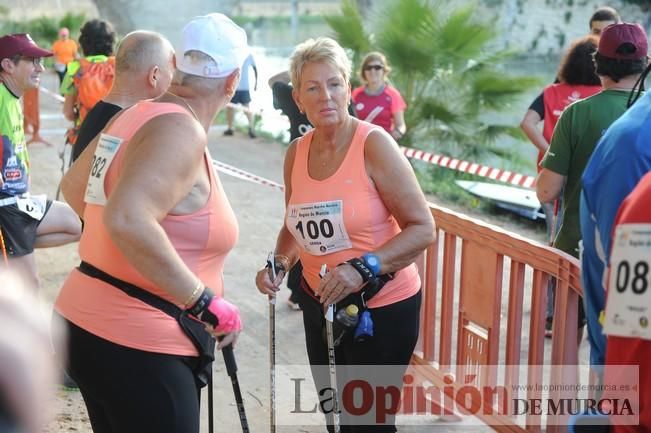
(343, 216)
(202, 240)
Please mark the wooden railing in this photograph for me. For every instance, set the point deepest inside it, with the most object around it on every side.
(483, 318)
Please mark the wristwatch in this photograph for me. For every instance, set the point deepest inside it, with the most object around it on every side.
(372, 262)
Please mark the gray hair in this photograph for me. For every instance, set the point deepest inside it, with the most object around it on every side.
(318, 50)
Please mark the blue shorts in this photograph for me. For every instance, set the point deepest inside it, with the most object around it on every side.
(241, 97)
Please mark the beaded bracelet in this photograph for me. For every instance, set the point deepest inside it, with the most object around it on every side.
(281, 263)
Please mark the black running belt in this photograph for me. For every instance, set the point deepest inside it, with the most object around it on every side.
(193, 329)
(132, 290)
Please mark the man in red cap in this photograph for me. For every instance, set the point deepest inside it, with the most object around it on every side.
(26, 221)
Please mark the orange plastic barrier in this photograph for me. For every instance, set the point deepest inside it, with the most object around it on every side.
(483, 318)
(31, 113)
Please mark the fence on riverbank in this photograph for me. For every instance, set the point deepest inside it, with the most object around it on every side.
(483, 319)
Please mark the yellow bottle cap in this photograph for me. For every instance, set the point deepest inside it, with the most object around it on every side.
(352, 310)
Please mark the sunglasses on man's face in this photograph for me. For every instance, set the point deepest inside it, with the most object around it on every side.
(376, 67)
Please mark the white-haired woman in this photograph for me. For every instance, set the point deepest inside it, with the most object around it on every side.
(353, 205)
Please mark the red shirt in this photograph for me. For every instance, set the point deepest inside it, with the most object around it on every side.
(378, 109)
(555, 98)
(635, 209)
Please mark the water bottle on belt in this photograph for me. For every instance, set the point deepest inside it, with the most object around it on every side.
(345, 320)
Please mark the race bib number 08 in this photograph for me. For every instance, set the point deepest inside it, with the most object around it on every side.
(107, 147)
(628, 310)
(319, 227)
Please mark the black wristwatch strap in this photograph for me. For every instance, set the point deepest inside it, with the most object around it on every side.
(359, 265)
(201, 303)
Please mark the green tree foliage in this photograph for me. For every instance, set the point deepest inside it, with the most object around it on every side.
(645, 5)
(443, 63)
(43, 29)
(350, 30)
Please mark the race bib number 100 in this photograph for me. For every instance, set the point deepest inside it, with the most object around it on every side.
(107, 147)
(628, 310)
(319, 227)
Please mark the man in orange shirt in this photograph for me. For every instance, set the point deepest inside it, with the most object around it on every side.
(65, 51)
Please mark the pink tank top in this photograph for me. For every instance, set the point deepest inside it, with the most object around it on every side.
(343, 216)
(202, 239)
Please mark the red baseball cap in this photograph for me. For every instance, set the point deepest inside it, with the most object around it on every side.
(21, 44)
(624, 41)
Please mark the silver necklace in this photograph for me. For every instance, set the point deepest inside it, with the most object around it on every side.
(186, 104)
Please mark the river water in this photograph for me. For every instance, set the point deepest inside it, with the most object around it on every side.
(272, 44)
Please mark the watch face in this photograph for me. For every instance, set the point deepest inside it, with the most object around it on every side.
(372, 261)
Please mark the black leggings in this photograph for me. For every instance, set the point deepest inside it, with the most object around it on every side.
(132, 391)
(395, 336)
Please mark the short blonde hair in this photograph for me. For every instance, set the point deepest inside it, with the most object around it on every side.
(318, 50)
(374, 56)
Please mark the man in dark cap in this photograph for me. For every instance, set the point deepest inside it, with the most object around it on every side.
(620, 160)
(26, 221)
(620, 59)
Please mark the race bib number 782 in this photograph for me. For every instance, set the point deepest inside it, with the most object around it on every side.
(107, 147)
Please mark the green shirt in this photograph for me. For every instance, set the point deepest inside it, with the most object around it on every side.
(575, 136)
(67, 85)
(14, 160)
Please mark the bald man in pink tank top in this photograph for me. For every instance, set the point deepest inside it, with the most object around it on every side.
(354, 207)
(158, 227)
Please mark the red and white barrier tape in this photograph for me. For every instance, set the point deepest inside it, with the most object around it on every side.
(236, 172)
(497, 174)
(442, 161)
(471, 168)
(52, 94)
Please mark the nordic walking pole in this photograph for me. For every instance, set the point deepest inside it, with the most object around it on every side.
(62, 155)
(4, 249)
(211, 415)
(231, 369)
(329, 317)
(272, 350)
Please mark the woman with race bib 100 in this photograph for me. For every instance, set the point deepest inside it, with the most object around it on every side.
(353, 205)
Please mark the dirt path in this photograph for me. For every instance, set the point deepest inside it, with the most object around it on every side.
(259, 210)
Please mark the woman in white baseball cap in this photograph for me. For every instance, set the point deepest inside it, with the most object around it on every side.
(158, 227)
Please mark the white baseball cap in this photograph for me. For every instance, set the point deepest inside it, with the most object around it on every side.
(217, 36)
